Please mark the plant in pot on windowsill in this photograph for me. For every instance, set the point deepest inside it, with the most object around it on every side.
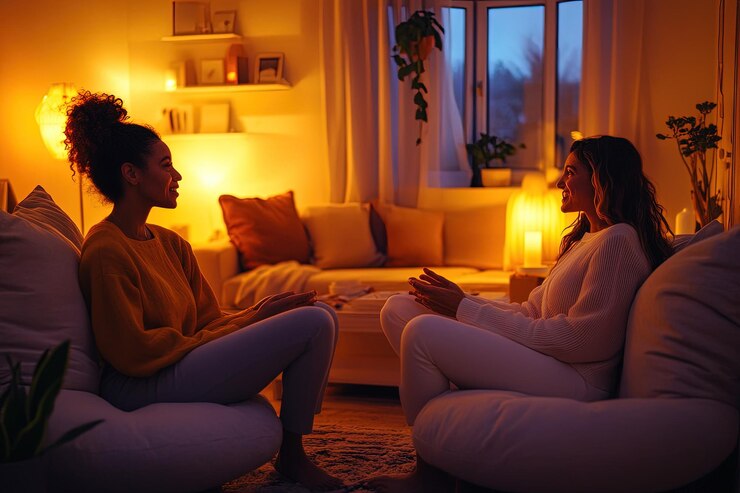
(415, 39)
(24, 416)
(488, 155)
(695, 138)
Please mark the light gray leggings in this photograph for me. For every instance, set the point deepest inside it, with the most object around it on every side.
(299, 343)
(437, 351)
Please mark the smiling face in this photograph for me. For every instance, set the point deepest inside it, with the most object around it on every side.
(159, 179)
(578, 191)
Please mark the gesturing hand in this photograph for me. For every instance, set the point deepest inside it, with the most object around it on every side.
(437, 293)
(279, 303)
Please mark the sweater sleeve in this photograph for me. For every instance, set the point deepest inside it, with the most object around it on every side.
(593, 328)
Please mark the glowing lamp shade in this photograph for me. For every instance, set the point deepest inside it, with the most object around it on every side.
(51, 117)
(534, 224)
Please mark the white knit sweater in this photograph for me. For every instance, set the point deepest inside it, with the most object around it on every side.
(579, 314)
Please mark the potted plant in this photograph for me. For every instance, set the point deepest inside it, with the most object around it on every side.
(695, 137)
(488, 155)
(415, 39)
(24, 416)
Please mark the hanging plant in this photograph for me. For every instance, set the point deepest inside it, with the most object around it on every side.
(415, 39)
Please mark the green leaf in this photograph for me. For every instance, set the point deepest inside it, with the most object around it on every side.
(47, 377)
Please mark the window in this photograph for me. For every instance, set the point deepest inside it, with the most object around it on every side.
(516, 68)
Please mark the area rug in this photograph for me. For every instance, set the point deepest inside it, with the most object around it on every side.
(352, 453)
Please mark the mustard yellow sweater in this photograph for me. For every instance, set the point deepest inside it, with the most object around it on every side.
(148, 301)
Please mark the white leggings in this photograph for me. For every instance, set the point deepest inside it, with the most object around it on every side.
(299, 343)
(438, 351)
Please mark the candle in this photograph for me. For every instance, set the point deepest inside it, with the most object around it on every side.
(170, 80)
(685, 222)
(532, 249)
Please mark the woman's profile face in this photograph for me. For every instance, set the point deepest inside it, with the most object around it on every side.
(578, 191)
(160, 179)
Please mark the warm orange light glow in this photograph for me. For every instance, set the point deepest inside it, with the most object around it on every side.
(170, 81)
(533, 209)
(51, 116)
(532, 249)
(231, 76)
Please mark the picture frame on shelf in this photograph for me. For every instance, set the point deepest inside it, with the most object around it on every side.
(212, 72)
(190, 17)
(224, 21)
(268, 68)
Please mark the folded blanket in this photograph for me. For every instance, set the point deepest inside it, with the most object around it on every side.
(272, 279)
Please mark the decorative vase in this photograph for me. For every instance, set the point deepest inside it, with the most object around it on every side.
(25, 476)
(496, 177)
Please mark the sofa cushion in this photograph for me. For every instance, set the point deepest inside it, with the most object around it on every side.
(682, 241)
(414, 236)
(340, 236)
(40, 300)
(265, 231)
(683, 332)
(472, 237)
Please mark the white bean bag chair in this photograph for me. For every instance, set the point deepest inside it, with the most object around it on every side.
(674, 423)
(174, 447)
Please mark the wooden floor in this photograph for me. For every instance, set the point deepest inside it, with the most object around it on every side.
(359, 405)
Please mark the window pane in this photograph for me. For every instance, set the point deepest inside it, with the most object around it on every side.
(454, 51)
(570, 49)
(515, 79)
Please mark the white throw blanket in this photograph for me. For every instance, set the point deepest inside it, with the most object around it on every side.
(272, 279)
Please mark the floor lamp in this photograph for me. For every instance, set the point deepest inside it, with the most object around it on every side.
(51, 117)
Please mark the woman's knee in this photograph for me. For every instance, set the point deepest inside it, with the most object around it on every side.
(424, 330)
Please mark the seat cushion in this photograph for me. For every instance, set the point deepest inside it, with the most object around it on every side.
(683, 334)
(159, 448)
(40, 300)
(507, 441)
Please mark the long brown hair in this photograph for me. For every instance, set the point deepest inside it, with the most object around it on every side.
(622, 194)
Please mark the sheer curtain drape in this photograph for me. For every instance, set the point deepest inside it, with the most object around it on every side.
(371, 131)
(612, 61)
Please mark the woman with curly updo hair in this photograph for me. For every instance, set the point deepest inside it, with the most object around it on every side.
(157, 323)
(566, 340)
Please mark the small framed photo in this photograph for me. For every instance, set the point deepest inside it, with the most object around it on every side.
(212, 71)
(190, 18)
(223, 21)
(268, 67)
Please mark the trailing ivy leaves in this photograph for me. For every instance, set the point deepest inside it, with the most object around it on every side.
(414, 39)
(695, 137)
(24, 417)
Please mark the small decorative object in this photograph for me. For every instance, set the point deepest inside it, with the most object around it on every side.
(190, 18)
(223, 21)
(24, 415)
(178, 119)
(415, 39)
(268, 68)
(214, 118)
(236, 65)
(212, 71)
(488, 155)
(695, 138)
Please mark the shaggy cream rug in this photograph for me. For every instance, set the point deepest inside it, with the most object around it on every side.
(352, 453)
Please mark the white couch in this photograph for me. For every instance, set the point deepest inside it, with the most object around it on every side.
(674, 423)
(175, 447)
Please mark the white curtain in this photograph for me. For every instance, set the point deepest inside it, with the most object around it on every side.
(612, 61)
(371, 130)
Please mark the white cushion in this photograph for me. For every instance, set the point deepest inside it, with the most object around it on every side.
(165, 447)
(40, 300)
(340, 236)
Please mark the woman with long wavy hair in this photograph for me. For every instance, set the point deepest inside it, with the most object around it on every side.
(567, 339)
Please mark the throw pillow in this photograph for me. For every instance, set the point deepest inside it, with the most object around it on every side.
(682, 241)
(40, 300)
(414, 236)
(684, 327)
(265, 231)
(340, 236)
(472, 237)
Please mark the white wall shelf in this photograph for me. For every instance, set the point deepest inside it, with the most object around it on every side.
(277, 86)
(203, 37)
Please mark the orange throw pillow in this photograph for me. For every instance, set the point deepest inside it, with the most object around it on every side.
(414, 236)
(265, 231)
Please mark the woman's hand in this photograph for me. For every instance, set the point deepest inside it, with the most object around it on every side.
(437, 293)
(278, 303)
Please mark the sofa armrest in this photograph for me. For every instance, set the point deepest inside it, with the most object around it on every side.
(511, 442)
(218, 261)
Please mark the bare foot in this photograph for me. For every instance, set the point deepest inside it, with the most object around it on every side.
(299, 468)
(424, 479)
